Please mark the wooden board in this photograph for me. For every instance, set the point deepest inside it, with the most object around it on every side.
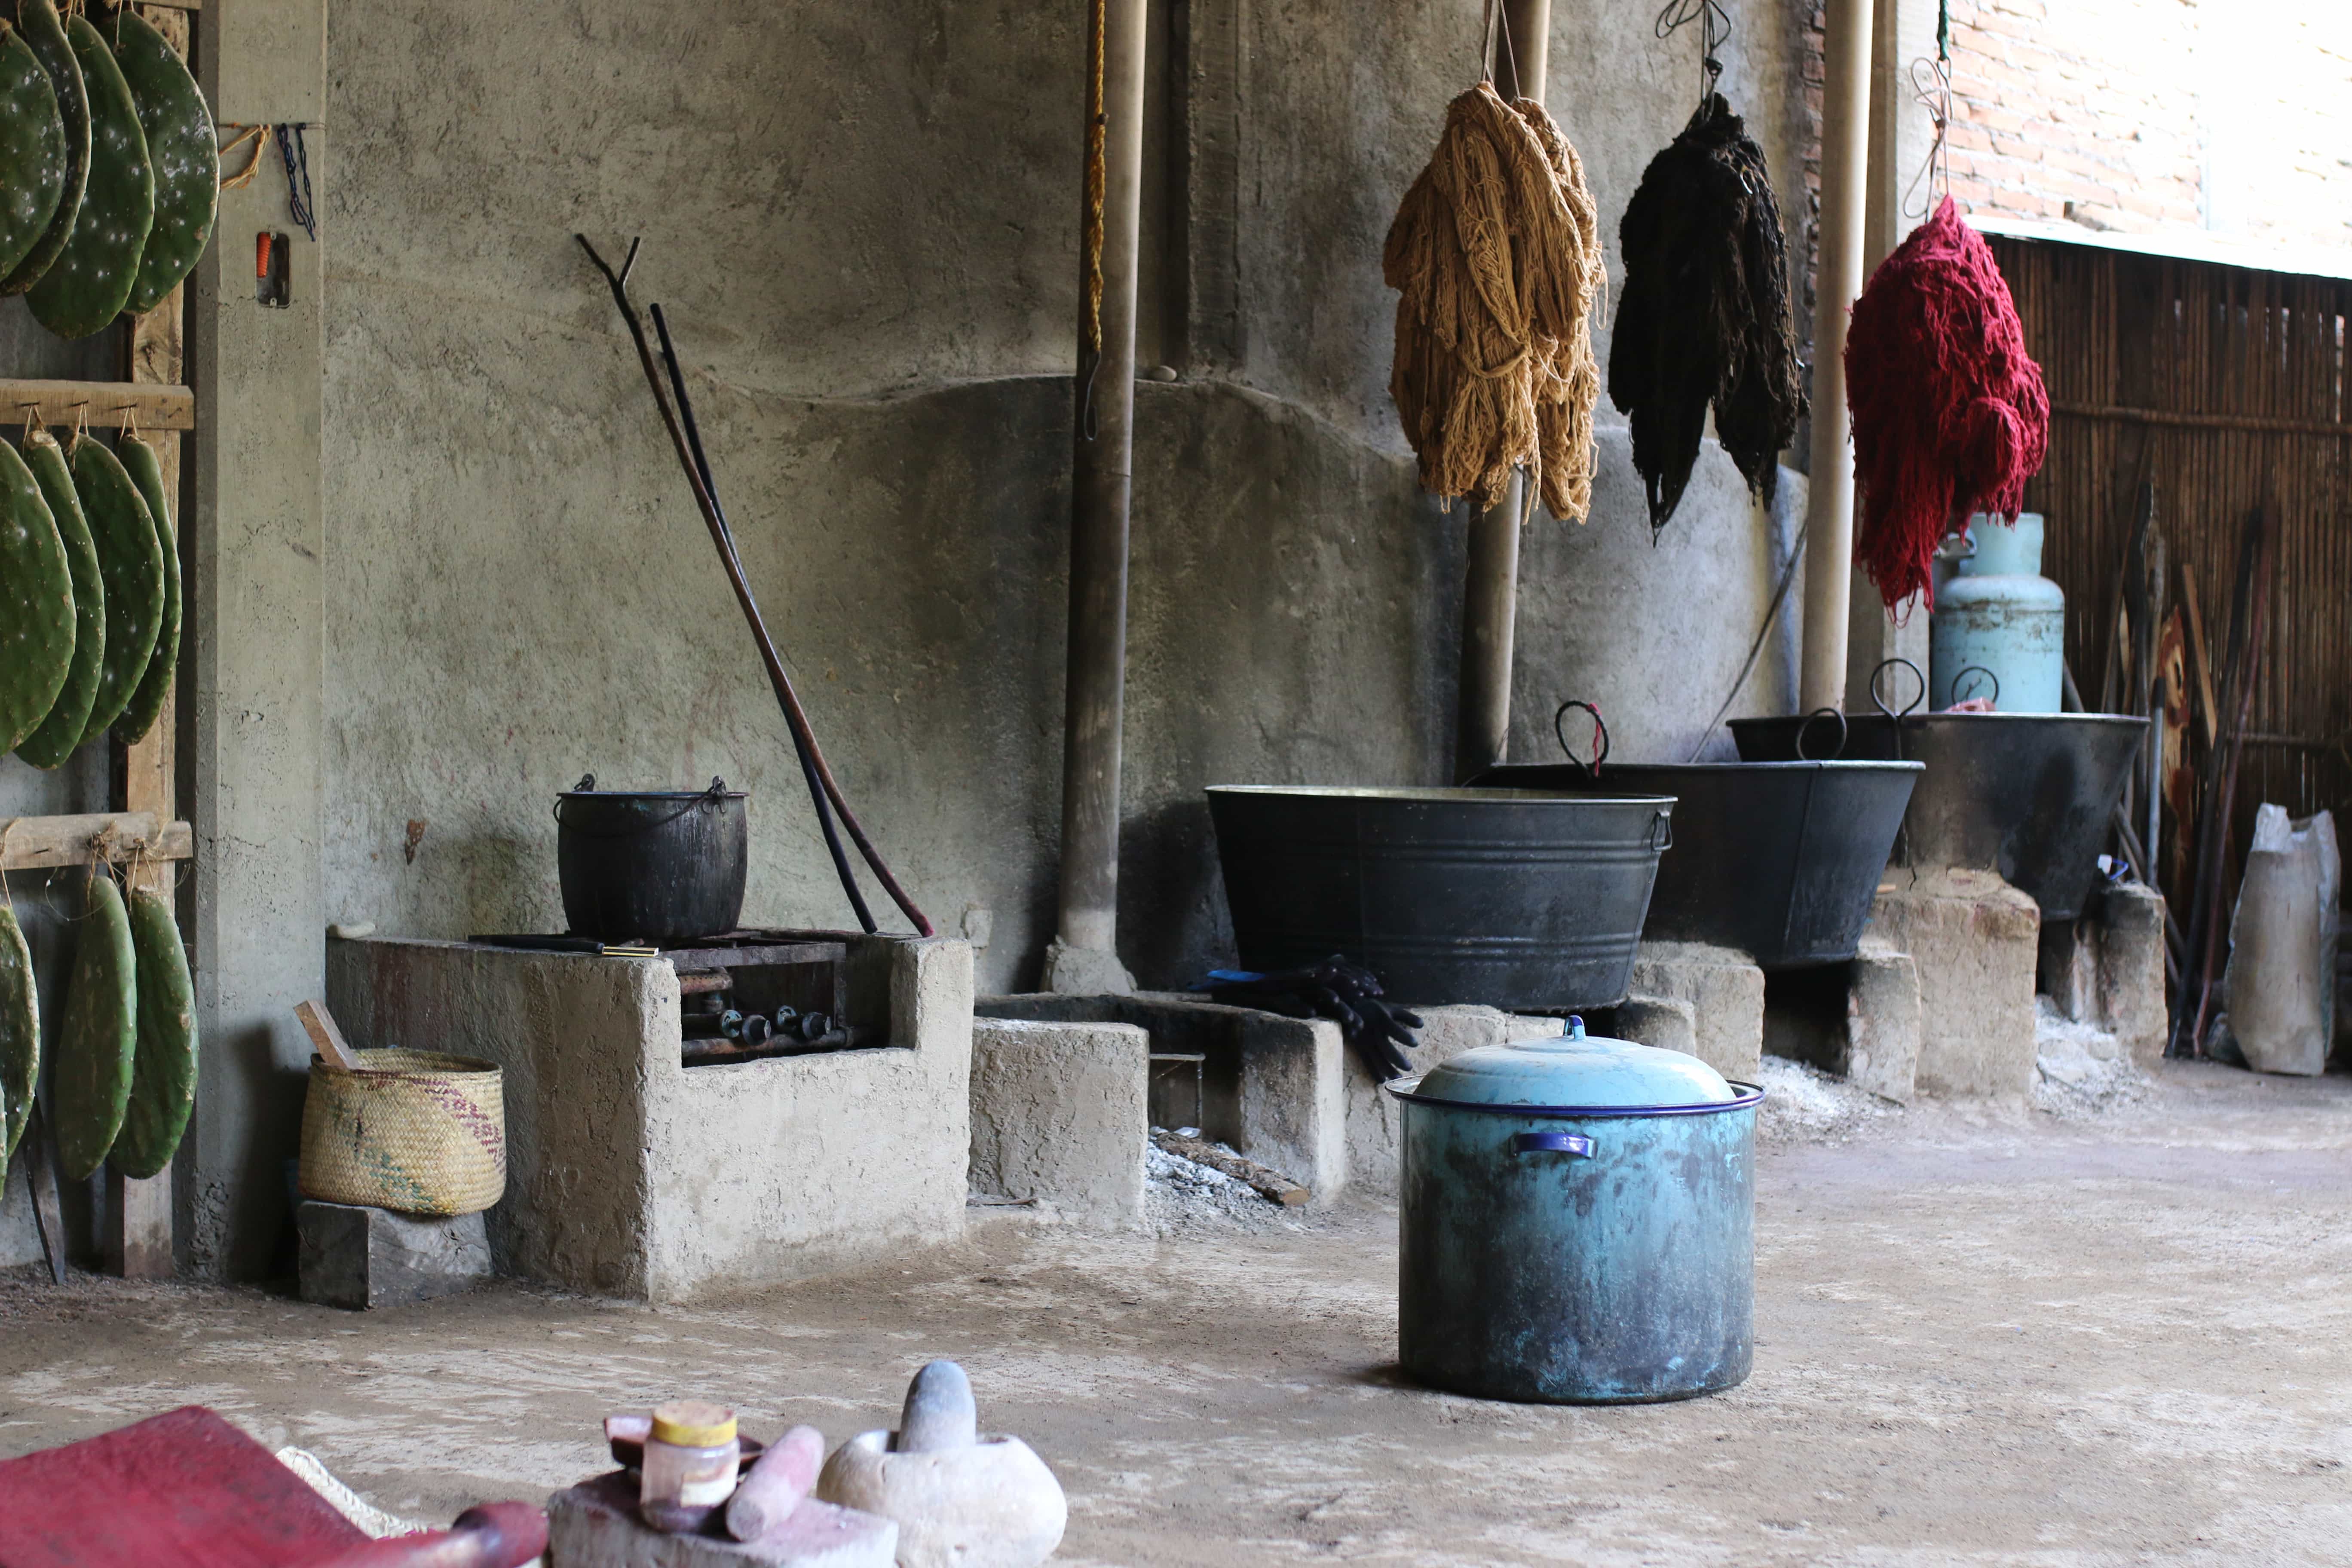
(152, 407)
(36, 843)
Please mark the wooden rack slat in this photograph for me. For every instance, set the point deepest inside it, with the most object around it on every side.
(34, 842)
(153, 406)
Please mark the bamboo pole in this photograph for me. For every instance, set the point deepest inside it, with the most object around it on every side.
(1829, 511)
(1101, 480)
(1490, 587)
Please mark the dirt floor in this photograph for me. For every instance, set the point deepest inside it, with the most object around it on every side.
(1982, 1337)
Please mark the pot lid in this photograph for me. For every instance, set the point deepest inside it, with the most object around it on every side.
(1575, 1069)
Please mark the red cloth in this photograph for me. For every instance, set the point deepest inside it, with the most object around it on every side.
(184, 1489)
(1949, 413)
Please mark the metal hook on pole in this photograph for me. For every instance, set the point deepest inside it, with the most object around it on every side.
(1715, 31)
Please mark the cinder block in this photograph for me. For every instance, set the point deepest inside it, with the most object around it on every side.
(1373, 1120)
(350, 1256)
(1973, 941)
(1882, 1022)
(2130, 986)
(1058, 1115)
(594, 1525)
(1726, 993)
(1669, 1023)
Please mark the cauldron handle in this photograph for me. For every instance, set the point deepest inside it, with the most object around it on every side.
(1977, 670)
(1575, 1144)
(1598, 729)
(1806, 728)
(1880, 702)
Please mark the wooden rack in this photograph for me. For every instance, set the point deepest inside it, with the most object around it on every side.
(141, 832)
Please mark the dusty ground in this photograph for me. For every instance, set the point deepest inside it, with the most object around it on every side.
(1987, 1337)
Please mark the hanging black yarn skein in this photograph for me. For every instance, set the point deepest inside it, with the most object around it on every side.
(1704, 314)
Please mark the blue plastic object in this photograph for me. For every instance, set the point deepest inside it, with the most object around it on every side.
(1578, 1224)
(2000, 626)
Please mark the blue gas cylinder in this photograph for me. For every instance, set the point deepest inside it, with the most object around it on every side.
(1999, 625)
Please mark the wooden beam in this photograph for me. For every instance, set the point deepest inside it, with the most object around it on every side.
(60, 403)
(34, 842)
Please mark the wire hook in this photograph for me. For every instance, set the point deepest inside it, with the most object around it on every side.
(1715, 31)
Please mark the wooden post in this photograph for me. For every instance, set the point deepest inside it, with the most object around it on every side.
(1837, 279)
(1490, 589)
(139, 1213)
(1102, 475)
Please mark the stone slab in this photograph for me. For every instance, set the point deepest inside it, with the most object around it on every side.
(1059, 1117)
(2130, 985)
(1667, 1022)
(594, 1525)
(1725, 991)
(358, 1258)
(1973, 940)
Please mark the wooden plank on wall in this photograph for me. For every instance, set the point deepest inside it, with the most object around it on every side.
(151, 406)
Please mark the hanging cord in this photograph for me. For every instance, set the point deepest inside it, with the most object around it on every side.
(1933, 92)
(1497, 26)
(808, 767)
(1715, 31)
(296, 158)
(1098, 187)
(618, 281)
(1771, 614)
(248, 139)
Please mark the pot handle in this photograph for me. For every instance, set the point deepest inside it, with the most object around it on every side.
(1575, 1144)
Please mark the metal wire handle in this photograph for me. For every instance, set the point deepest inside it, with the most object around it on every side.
(1806, 728)
(1600, 733)
(1879, 702)
(1977, 670)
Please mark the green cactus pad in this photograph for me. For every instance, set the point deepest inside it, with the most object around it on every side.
(98, 1039)
(86, 286)
(20, 1033)
(146, 471)
(54, 738)
(130, 560)
(38, 21)
(37, 612)
(32, 149)
(181, 145)
(164, 1070)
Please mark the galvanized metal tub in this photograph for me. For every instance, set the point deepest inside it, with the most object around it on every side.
(1518, 899)
(1578, 1254)
(2027, 794)
(1778, 859)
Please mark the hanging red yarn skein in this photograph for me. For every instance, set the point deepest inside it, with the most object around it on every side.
(1949, 413)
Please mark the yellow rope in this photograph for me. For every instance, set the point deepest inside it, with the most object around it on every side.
(1495, 253)
(1098, 125)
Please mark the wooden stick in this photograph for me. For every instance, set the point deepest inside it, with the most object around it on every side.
(150, 406)
(1270, 1185)
(37, 843)
(41, 1173)
(320, 1025)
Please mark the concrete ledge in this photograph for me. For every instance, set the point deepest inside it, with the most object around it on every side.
(1272, 1087)
(1725, 991)
(1973, 941)
(1058, 1117)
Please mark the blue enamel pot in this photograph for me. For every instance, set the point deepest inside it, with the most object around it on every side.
(1578, 1224)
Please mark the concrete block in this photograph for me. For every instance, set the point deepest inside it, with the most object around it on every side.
(631, 1174)
(1726, 993)
(1883, 1021)
(1973, 941)
(2130, 972)
(1272, 1087)
(594, 1525)
(1058, 1116)
(1669, 1023)
(1373, 1118)
(355, 1257)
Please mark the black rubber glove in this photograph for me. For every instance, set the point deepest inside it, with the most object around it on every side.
(1348, 994)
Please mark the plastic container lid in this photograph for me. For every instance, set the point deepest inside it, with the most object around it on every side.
(691, 1423)
(1576, 1071)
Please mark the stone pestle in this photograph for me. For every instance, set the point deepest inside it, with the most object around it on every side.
(940, 1414)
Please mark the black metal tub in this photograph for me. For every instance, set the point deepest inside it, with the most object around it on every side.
(2027, 794)
(1517, 899)
(1780, 860)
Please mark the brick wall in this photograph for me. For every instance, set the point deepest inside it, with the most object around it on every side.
(2231, 117)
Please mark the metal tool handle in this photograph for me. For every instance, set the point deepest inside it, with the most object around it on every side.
(1575, 1144)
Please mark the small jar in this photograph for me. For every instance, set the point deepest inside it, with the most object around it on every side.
(691, 1459)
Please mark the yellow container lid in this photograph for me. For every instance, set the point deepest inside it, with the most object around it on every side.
(692, 1424)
